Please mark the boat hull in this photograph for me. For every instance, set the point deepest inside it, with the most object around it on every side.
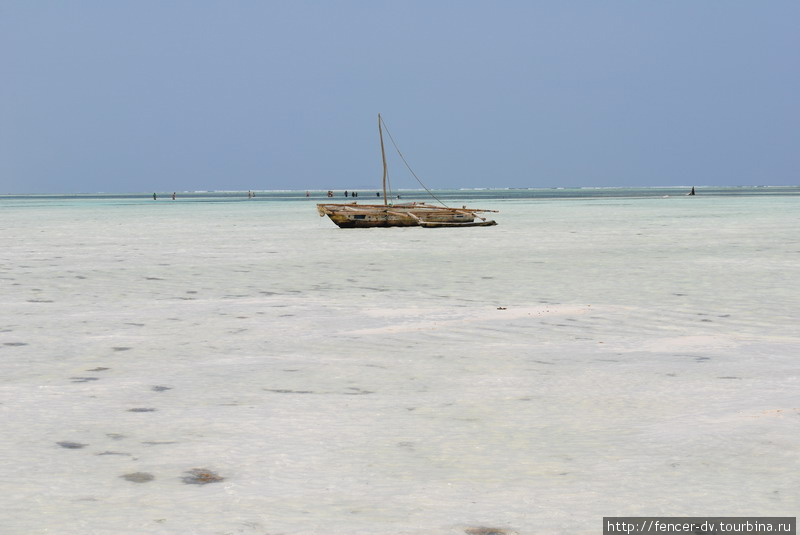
(444, 224)
(407, 215)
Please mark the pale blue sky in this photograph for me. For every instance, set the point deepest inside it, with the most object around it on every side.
(144, 95)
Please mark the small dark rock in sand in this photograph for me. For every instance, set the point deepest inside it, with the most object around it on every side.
(138, 477)
(71, 445)
(201, 476)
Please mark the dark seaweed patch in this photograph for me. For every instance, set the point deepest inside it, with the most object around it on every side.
(201, 476)
(698, 358)
(15, 344)
(357, 392)
(71, 445)
(159, 388)
(83, 379)
(138, 477)
(98, 369)
(487, 531)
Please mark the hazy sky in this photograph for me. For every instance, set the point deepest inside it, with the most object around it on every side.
(141, 95)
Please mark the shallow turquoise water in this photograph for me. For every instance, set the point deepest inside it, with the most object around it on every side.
(589, 356)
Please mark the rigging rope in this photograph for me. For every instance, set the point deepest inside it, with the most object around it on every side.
(409, 167)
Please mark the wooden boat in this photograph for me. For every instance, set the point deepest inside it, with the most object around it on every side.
(414, 214)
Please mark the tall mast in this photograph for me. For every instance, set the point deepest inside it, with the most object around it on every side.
(383, 155)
